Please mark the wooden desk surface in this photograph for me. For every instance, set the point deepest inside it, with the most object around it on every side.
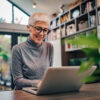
(87, 92)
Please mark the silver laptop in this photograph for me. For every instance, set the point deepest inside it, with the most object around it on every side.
(60, 79)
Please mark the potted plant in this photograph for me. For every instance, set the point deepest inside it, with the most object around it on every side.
(90, 44)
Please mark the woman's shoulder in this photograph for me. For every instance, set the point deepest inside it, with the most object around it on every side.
(48, 44)
(19, 46)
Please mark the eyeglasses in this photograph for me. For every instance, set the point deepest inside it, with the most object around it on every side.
(40, 29)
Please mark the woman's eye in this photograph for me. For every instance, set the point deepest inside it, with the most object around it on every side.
(45, 30)
(38, 29)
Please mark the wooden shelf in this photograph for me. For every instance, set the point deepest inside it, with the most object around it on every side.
(55, 28)
(78, 32)
(87, 10)
(71, 50)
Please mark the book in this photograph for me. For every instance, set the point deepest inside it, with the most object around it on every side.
(89, 6)
(62, 31)
(57, 22)
(58, 33)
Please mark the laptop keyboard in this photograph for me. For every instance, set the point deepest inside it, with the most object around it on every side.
(35, 89)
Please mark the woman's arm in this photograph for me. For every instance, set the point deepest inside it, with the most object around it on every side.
(17, 73)
(22, 82)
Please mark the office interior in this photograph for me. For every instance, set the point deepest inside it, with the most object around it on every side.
(68, 19)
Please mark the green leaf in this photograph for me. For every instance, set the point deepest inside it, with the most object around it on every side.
(86, 65)
(90, 41)
(89, 79)
(4, 56)
(93, 53)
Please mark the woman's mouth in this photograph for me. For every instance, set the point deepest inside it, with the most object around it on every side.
(39, 38)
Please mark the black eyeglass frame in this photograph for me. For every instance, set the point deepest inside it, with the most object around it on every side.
(41, 29)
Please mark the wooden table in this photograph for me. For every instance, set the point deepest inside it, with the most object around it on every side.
(87, 92)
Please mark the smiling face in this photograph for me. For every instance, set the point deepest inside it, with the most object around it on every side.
(39, 31)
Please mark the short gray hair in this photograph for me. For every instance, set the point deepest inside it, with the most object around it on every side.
(38, 17)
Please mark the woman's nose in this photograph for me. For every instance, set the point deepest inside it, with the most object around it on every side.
(41, 33)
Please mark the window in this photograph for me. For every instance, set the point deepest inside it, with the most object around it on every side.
(20, 17)
(22, 39)
(5, 62)
(5, 12)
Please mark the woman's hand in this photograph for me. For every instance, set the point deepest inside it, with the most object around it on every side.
(38, 85)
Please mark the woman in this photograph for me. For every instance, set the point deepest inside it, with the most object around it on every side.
(31, 58)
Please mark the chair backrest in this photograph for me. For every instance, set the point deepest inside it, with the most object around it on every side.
(12, 82)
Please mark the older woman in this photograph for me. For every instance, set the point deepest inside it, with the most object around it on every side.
(31, 58)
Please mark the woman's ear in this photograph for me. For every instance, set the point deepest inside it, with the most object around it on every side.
(28, 28)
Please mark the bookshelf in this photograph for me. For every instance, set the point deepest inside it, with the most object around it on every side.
(80, 19)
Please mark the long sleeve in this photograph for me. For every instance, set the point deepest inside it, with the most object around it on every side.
(17, 73)
(29, 62)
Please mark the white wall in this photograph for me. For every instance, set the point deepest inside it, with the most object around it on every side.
(98, 33)
(57, 53)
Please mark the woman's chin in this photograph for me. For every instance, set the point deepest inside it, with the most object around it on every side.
(39, 41)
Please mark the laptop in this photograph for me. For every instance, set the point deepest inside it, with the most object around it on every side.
(60, 80)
